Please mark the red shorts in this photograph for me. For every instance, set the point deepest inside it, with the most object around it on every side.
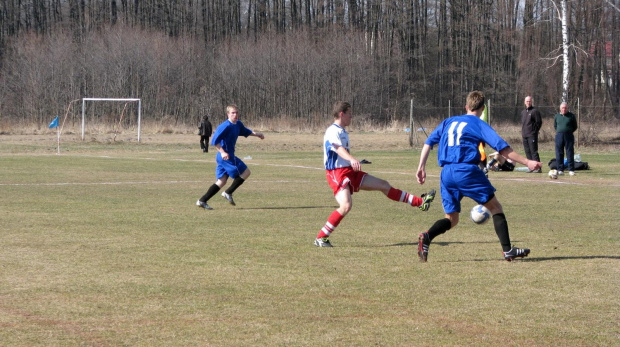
(344, 178)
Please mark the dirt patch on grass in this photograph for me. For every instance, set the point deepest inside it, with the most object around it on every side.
(605, 139)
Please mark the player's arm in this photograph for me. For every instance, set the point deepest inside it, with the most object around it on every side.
(223, 153)
(421, 174)
(259, 135)
(516, 157)
(344, 154)
(537, 120)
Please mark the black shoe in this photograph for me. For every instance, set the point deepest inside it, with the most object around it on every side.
(423, 243)
(515, 252)
(427, 198)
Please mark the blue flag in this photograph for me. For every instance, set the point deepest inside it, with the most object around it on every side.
(54, 123)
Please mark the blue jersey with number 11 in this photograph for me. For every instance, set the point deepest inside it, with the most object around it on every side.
(458, 138)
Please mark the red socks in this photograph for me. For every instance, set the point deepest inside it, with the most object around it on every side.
(399, 195)
(332, 222)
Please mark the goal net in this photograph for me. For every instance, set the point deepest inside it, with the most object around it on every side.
(84, 100)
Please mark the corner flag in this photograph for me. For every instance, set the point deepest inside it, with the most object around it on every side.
(485, 115)
(54, 123)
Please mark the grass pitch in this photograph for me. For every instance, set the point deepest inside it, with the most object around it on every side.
(103, 246)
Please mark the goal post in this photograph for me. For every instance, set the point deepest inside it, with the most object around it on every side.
(84, 100)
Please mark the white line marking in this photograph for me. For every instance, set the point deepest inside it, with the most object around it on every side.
(412, 174)
(96, 183)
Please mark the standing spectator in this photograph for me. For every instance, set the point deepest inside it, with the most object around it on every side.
(228, 165)
(565, 125)
(530, 126)
(345, 176)
(458, 138)
(205, 130)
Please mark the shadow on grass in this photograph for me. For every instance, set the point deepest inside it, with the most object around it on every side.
(569, 258)
(436, 243)
(527, 259)
(283, 208)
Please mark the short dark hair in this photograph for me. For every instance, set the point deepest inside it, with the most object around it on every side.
(475, 100)
(340, 106)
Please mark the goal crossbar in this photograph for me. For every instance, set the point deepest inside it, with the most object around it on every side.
(84, 100)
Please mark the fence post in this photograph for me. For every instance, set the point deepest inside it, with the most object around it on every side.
(411, 124)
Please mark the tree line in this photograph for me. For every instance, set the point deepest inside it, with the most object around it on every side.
(291, 59)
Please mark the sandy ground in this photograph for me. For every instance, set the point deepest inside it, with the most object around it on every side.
(273, 140)
(604, 140)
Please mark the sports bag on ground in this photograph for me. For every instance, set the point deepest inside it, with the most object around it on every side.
(579, 165)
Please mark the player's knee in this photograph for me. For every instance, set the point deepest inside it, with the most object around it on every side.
(453, 218)
(221, 182)
(345, 208)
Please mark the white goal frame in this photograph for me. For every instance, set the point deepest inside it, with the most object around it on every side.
(84, 100)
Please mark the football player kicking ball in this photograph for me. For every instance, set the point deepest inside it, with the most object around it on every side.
(345, 176)
(228, 165)
(458, 138)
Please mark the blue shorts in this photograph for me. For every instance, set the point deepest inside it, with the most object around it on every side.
(233, 167)
(459, 180)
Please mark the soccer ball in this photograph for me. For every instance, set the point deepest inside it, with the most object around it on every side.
(553, 174)
(480, 214)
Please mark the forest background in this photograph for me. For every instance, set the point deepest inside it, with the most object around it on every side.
(289, 60)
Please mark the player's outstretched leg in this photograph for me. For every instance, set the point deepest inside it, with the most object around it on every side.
(427, 198)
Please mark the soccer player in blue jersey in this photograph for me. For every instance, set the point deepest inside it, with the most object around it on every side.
(458, 138)
(345, 176)
(228, 165)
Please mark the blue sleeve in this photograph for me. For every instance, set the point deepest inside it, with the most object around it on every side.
(220, 134)
(435, 136)
(243, 131)
(491, 138)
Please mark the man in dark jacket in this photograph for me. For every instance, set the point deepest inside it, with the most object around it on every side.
(565, 124)
(531, 122)
(205, 130)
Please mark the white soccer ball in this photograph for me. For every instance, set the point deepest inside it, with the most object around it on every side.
(480, 214)
(553, 174)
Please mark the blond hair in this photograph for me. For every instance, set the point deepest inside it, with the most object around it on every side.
(231, 107)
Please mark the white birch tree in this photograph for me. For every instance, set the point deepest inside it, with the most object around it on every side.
(565, 56)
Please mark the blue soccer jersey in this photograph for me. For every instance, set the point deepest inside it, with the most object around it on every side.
(226, 136)
(458, 138)
(335, 137)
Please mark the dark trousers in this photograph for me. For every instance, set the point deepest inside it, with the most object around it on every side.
(562, 141)
(204, 143)
(530, 145)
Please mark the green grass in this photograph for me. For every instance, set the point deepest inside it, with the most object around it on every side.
(103, 246)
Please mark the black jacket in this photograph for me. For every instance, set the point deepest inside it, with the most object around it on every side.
(531, 121)
(205, 129)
